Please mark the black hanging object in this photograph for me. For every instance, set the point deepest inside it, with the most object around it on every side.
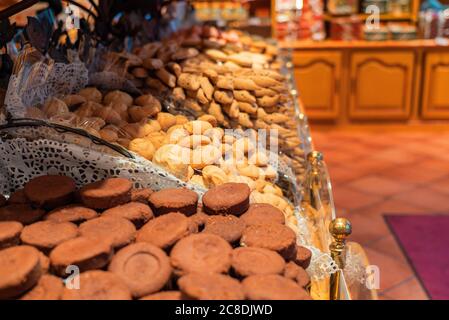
(39, 33)
(7, 32)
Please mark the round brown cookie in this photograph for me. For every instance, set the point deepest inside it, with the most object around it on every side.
(199, 219)
(50, 191)
(141, 195)
(10, 233)
(136, 212)
(174, 200)
(85, 253)
(303, 278)
(143, 267)
(297, 273)
(105, 194)
(248, 261)
(18, 197)
(228, 227)
(262, 213)
(118, 231)
(22, 213)
(303, 257)
(273, 287)
(20, 270)
(48, 288)
(74, 213)
(271, 236)
(98, 285)
(201, 252)
(210, 286)
(45, 235)
(2, 200)
(228, 198)
(166, 230)
(163, 295)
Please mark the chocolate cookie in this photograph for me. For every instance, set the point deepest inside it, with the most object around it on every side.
(166, 230)
(18, 197)
(106, 193)
(228, 198)
(143, 267)
(45, 235)
(22, 213)
(174, 200)
(98, 285)
(199, 219)
(273, 287)
(210, 286)
(2, 200)
(10, 233)
(48, 288)
(72, 213)
(136, 212)
(250, 261)
(163, 295)
(85, 253)
(303, 257)
(201, 253)
(271, 236)
(141, 195)
(50, 191)
(20, 270)
(262, 213)
(118, 231)
(295, 272)
(228, 227)
(45, 262)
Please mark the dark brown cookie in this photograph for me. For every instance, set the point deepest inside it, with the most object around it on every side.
(106, 193)
(228, 227)
(18, 197)
(273, 287)
(22, 213)
(248, 261)
(199, 219)
(210, 286)
(2, 200)
(163, 295)
(174, 200)
(118, 231)
(48, 288)
(45, 235)
(85, 253)
(228, 198)
(50, 191)
(141, 195)
(20, 270)
(303, 257)
(10, 233)
(297, 273)
(74, 213)
(98, 285)
(262, 213)
(136, 212)
(143, 267)
(201, 253)
(272, 236)
(166, 230)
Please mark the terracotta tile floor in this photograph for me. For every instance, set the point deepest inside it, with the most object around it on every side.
(374, 173)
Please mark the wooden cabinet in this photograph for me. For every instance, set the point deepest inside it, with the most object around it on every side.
(318, 75)
(435, 97)
(381, 85)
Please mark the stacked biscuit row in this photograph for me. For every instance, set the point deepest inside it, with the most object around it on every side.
(109, 240)
(197, 151)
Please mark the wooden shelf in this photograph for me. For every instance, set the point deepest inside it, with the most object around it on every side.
(383, 17)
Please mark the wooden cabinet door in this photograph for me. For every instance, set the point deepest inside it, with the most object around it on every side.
(435, 97)
(381, 85)
(317, 75)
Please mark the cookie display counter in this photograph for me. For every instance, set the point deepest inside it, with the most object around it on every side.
(187, 112)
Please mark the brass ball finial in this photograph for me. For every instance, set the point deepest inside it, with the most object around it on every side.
(340, 228)
(315, 156)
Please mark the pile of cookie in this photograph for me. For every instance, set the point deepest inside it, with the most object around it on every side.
(130, 243)
(197, 151)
